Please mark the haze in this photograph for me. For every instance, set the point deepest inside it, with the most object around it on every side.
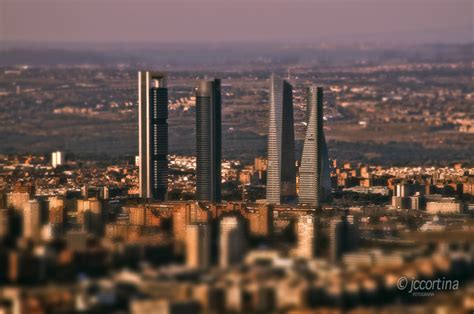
(419, 21)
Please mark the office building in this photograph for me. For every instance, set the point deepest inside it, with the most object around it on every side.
(90, 215)
(408, 196)
(34, 217)
(186, 213)
(306, 236)
(208, 141)
(4, 223)
(198, 245)
(153, 135)
(445, 206)
(260, 219)
(343, 238)
(163, 306)
(136, 215)
(99, 192)
(18, 200)
(57, 214)
(417, 202)
(57, 159)
(315, 180)
(232, 241)
(281, 169)
(76, 240)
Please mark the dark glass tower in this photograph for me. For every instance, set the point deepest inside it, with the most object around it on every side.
(208, 141)
(281, 176)
(153, 134)
(315, 182)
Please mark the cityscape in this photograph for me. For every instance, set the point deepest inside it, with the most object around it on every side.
(294, 177)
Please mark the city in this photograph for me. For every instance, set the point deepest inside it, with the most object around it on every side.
(296, 178)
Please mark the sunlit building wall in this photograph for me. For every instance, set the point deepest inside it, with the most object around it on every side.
(281, 168)
(153, 134)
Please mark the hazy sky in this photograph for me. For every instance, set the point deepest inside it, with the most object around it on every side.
(233, 20)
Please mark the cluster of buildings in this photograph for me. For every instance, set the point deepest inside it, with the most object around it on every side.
(302, 247)
(241, 276)
(314, 180)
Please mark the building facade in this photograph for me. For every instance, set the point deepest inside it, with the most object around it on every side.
(306, 236)
(153, 134)
(232, 241)
(198, 245)
(281, 169)
(315, 181)
(4, 223)
(343, 238)
(208, 141)
(57, 159)
(33, 216)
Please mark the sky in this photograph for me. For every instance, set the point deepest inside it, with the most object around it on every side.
(188, 21)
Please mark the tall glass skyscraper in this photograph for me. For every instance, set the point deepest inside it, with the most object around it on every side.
(208, 141)
(281, 174)
(153, 134)
(315, 182)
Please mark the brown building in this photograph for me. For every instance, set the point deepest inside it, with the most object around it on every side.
(153, 218)
(261, 164)
(117, 231)
(260, 217)
(186, 214)
(136, 215)
(18, 200)
(90, 215)
(57, 213)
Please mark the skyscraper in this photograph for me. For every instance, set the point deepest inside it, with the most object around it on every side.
(153, 134)
(315, 182)
(208, 141)
(281, 170)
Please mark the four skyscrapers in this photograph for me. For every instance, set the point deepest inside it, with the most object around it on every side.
(314, 185)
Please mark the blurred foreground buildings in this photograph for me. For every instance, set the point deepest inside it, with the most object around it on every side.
(108, 250)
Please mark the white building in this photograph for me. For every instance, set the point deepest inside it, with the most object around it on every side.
(306, 235)
(198, 245)
(57, 159)
(445, 206)
(231, 241)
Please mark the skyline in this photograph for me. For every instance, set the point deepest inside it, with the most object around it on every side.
(238, 156)
(188, 22)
